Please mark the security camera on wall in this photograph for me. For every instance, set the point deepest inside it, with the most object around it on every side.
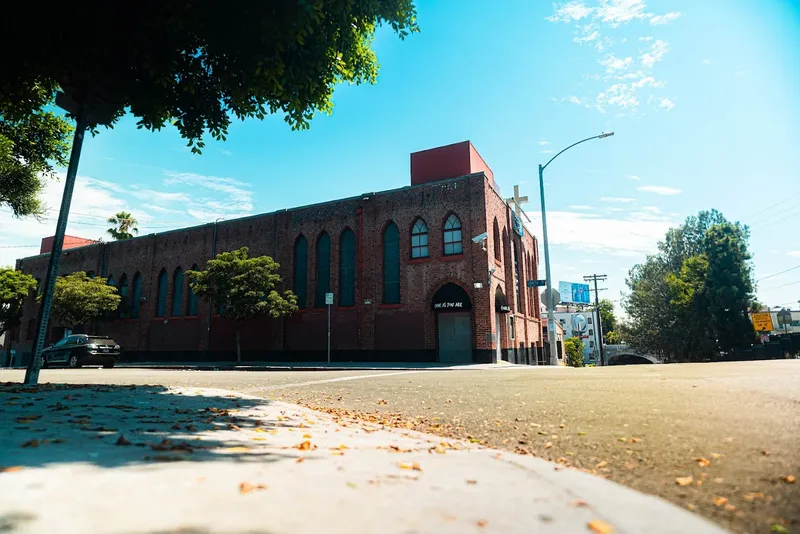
(480, 238)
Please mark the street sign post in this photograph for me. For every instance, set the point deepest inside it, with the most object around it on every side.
(536, 283)
(762, 322)
(328, 302)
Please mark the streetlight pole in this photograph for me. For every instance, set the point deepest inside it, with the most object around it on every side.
(551, 317)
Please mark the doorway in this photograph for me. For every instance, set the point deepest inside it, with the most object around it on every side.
(497, 338)
(452, 307)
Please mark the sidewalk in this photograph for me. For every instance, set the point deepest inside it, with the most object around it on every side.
(314, 366)
(157, 460)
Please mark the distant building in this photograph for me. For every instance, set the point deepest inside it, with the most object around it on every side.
(581, 324)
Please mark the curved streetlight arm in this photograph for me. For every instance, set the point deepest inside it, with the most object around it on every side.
(601, 136)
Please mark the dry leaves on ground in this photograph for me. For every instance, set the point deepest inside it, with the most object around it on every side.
(580, 503)
(246, 487)
(599, 527)
(720, 501)
(413, 466)
(30, 444)
(703, 462)
(305, 446)
(10, 469)
(789, 479)
(684, 481)
(481, 523)
(473, 482)
(753, 496)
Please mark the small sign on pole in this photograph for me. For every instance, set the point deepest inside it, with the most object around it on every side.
(329, 301)
(536, 283)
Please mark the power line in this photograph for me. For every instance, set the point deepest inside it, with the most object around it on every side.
(772, 206)
(781, 216)
(776, 274)
(20, 246)
(782, 285)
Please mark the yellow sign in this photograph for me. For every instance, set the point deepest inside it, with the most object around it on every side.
(762, 322)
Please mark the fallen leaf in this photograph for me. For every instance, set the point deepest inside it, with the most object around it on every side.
(691, 507)
(176, 426)
(258, 439)
(580, 503)
(473, 482)
(750, 497)
(481, 523)
(337, 453)
(623, 439)
(719, 480)
(581, 433)
(246, 487)
(413, 466)
(601, 464)
(684, 481)
(259, 429)
(351, 485)
(720, 501)
(730, 507)
(716, 455)
(780, 529)
(307, 436)
(305, 446)
(300, 459)
(599, 527)
(789, 479)
(31, 443)
(703, 462)
(635, 440)
(10, 469)
(548, 445)
(121, 440)
(765, 453)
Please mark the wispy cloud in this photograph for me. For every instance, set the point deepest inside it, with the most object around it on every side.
(159, 196)
(544, 143)
(547, 151)
(658, 189)
(624, 200)
(794, 253)
(666, 103)
(657, 20)
(161, 209)
(656, 53)
(230, 196)
(224, 152)
(634, 177)
(581, 207)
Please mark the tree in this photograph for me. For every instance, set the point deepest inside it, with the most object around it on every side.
(14, 287)
(689, 301)
(32, 142)
(573, 346)
(242, 288)
(608, 321)
(79, 299)
(125, 225)
(196, 64)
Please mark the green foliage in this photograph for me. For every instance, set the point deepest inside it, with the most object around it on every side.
(14, 287)
(31, 144)
(573, 346)
(690, 301)
(198, 64)
(614, 337)
(242, 287)
(79, 299)
(608, 320)
(125, 225)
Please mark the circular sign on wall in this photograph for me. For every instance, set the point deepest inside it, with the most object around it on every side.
(579, 323)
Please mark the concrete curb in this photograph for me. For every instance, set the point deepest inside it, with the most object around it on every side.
(244, 474)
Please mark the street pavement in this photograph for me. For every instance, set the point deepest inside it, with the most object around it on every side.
(154, 459)
(734, 428)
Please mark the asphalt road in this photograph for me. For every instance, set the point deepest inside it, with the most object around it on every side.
(733, 427)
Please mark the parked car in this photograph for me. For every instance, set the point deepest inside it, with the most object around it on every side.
(78, 350)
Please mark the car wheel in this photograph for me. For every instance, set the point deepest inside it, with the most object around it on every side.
(73, 362)
(108, 365)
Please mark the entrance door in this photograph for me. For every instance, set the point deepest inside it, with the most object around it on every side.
(498, 351)
(455, 338)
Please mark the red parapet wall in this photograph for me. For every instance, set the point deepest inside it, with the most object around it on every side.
(70, 241)
(450, 161)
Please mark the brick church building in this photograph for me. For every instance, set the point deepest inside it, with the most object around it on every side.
(410, 283)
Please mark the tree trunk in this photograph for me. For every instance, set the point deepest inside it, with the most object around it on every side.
(238, 344)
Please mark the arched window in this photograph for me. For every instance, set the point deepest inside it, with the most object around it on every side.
(161, 297)
(300, 280)
(498, 251)
(517, 276)
(191, 304)
(452, 236)
(419, 239)
(391, 264)
(136, 295)
(347, 268)
(110, 280)
(125, 306)
(177, 292)
(323, 269)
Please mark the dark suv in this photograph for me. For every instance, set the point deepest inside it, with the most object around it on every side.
(78, 350)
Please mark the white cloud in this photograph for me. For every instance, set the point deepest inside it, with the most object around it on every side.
(614, 209)
(706, 61)
(634, 177)
(587, 38)
(236, 194)
(624, 200)
(666, 103)
(620, 95)
(658, 189)
(657, 52)
(547, 151)
(646, 39)
(159, 196)
(543, 142)
(616, 12)
(161, 209)
(584, 233)
(570, 12)
(652, 209)
(647, 81)
(224, 152)
(613, 64)
(794, 253)
(581, 207)
(657, 20)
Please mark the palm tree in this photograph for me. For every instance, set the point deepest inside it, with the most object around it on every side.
(124, 226)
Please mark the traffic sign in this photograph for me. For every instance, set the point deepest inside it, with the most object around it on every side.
(536, 283)
(328, 298)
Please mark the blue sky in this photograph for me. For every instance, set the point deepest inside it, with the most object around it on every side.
(703, 97)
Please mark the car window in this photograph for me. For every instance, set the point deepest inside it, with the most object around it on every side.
(61, 342)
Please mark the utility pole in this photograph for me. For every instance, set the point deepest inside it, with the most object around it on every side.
(599, 323)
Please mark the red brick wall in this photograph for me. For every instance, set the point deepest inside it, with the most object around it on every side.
(361, 327)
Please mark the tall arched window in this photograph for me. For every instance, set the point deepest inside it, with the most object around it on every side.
(347, 268)
(136, 295)
(110, 280)
(498, 251)
(391, 264)
(419, 239)
(177, 292)
(125, 306)
(517, 276)
(161, 297)
(452, 236)
(191, 304)
(323, 269)
(300, 279)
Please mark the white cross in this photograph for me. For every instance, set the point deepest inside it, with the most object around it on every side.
(518, 201)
